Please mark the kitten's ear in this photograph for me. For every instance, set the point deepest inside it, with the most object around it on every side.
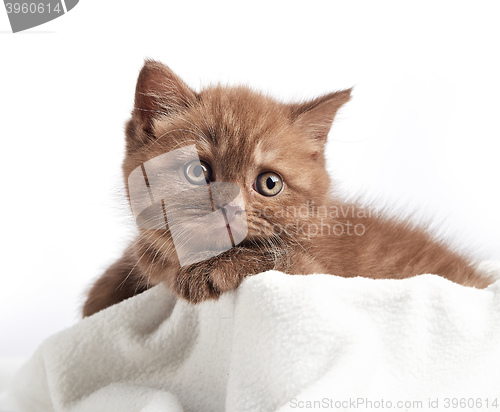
(315, 117)
(159, 92)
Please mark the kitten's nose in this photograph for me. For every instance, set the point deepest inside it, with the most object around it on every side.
(232, 210)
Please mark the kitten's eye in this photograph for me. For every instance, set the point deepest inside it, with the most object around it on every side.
(198, 172)
(268, 184)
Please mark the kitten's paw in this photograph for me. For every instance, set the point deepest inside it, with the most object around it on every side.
(203, 281)
(196, 286)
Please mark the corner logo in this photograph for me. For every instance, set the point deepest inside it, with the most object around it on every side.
(25, 14)
(203, 218)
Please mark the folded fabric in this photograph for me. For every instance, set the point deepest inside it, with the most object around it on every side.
(278, 343)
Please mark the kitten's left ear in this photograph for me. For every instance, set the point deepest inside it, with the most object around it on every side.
(315, 117)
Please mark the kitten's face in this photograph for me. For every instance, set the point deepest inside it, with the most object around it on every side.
(257, 155)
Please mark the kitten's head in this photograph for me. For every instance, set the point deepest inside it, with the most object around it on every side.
(258, 155)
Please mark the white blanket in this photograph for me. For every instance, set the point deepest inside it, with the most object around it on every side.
(278, 343)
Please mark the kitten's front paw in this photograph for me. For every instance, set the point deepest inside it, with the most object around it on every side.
(196, 286)
(204, 280)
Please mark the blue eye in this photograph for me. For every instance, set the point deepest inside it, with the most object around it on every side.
(268, 184)
(198, 172)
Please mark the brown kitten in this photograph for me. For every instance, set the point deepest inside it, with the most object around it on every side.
(274, 153)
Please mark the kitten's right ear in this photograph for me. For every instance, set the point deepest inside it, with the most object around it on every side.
(315, 117)
(159, 92)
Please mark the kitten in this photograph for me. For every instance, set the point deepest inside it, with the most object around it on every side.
(228, 160)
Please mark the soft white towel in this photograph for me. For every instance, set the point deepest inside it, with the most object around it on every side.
(278, 343)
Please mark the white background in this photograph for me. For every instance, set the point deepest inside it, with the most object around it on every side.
(421, 133)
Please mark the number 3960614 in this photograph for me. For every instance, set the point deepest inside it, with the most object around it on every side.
(32, 8)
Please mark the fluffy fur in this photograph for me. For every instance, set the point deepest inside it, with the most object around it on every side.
(302, 230)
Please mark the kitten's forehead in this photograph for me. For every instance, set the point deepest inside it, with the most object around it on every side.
(245, 127)
(240, 113)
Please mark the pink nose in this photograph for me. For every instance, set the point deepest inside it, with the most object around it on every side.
(231, 211)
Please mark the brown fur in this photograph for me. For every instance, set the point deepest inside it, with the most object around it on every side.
(242, 133)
